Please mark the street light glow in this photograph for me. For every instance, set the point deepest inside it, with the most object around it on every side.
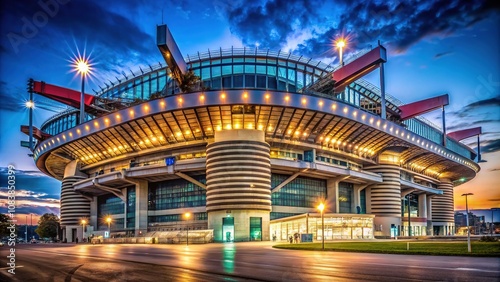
(30, 104)
(187, 215)
(340, 43)
(108, 219)
(84, 221)
(321, 207)
(82, 66)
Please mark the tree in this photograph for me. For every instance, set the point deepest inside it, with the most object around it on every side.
(48, 226)
(4, 223)
(189, 82)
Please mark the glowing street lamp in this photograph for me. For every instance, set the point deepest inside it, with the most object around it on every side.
(321, 207)
(340, 43)
(467, 212)
(82, 66)
(84, 222)
(187, 216)
(108, 220)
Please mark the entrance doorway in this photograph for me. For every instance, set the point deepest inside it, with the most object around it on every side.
(228, 229)
(256, 229)
(73, 235)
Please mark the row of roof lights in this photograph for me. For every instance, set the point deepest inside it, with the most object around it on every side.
(375, 121)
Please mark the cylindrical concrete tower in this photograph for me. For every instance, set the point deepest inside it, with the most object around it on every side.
(74, 206)
(443, 218)
(239, 185)
(386, 199)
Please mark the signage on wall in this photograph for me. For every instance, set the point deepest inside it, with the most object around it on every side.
(170, 161)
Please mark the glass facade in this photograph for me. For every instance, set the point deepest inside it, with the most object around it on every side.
(63, 121)
(110, 205)
(336, 227)
(276, 215)
(131, 208)
(175, 194)
(175, 218)
(362, 199)
(346, 197)
(142, 87)
(300, 192)
(414, 212)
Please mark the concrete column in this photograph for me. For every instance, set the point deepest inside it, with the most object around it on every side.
(238, 183)
(385, 199)
(422, 205)
(443, 207)
(141, 207)
(93, 213)
(357, 195)
(74, 206)
(332, 193)
(429, 215)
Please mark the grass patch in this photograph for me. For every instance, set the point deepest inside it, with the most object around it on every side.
(480, 249)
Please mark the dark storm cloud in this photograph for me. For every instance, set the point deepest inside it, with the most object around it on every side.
(493, 102)
(34, 183)
(10, 98)
(469, 124)
(112, 33)
(490, 146)
(398, 23)
(270, 23)
(35, 192)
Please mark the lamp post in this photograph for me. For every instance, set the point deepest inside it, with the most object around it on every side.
(82, 66)
(26, 231)
(321, 207)
(340, 44)
(83, 231)
(108, 220)
(30, 104)
(409, 215)
(187, 216)
(491, 225)
(467, 212)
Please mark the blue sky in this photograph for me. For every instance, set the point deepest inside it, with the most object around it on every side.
(435, 47)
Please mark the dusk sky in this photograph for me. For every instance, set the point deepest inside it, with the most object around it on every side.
(434, 47)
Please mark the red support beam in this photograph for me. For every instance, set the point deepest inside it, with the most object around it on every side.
(37, 133)
(466, 133)
(64, 95)
(424, 106)
(359, 67)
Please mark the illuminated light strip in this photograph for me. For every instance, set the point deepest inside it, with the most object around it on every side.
(194, 98)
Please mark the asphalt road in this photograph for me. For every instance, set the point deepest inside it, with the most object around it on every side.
(232, 262)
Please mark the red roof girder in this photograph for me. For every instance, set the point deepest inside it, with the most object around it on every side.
(466, 133)
(424, 106)
(60, 94)
(359, 67)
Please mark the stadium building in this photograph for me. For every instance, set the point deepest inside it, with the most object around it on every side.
(249, 142)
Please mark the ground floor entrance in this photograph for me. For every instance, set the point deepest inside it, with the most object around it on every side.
(228, 229)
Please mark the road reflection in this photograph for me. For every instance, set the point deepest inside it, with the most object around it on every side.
(228, 258)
